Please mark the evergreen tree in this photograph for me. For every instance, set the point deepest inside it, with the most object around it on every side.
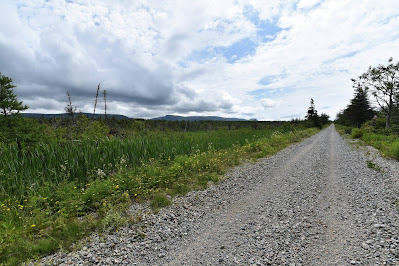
(383, 83)
(13, 127)
(312, 117)
(358, 111)
(324, 119)
(8, 100)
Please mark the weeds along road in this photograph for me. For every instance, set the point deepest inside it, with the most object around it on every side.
(314, 203)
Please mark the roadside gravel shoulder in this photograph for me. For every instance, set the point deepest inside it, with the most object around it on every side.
(314, 203)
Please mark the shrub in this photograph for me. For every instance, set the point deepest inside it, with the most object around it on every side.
(357, 133)
(112, 221)
(348, 130)
(394, 150)
(159, 201)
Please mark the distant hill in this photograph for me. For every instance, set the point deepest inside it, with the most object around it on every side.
(167, 117)
(47, 116)
(196, 118)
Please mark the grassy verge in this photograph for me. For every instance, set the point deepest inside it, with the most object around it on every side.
(57, 214)
(386, 142)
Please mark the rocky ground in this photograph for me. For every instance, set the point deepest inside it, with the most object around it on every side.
(314, 203)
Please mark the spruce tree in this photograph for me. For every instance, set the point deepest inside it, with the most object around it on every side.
(383, 83)
(8, 100)
(312, 117)
(359, 110)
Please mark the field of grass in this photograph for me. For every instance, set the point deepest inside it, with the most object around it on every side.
(55, 193)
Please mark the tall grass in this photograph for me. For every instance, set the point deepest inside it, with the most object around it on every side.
(23, 171)
(57, 193)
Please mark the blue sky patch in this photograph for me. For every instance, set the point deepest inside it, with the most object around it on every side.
(269, 93)
(237, 50)
(270, 79)
(341, 56)
(266, 30)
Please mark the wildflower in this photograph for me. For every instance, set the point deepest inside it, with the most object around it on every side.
(33, 225)
(100, 173)
(117, 186)
(44, 198)
(8, 209)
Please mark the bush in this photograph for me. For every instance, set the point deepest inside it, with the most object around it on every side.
(159, 201)
(348, 130)
(394, 150)
(112, 221)
(357, 133)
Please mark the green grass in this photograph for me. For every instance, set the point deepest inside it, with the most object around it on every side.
(374, 166)
(47, 206)
(385, 141)
(23, 172)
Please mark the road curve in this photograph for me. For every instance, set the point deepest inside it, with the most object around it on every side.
(314, 203)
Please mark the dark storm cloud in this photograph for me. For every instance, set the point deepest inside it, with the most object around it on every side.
(71, 65)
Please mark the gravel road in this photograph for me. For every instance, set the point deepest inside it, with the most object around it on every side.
(314, 203)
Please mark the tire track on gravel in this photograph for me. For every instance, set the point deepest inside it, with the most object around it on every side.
(234, 215)
(278, 189)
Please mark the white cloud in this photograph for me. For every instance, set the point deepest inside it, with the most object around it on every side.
(138, 51)
(267, 103)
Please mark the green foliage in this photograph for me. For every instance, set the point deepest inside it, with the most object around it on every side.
(13, 127)
(159, 201)
(57, 192)
(374, 166)
(383, 83)
(113, 220)
(382, 139)
(313, 119)
(356, 133)
(324, 119)
(287, 127)
(8, 100)
(358, 111)
(394, 150)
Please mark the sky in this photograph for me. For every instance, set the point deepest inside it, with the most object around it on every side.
(232, 58)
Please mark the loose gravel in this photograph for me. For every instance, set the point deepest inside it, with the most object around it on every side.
(314, 203)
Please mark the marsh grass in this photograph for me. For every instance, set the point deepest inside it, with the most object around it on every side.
(47, 206)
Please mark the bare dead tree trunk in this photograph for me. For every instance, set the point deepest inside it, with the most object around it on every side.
(70, 109)
(105, 103)
(95, 102)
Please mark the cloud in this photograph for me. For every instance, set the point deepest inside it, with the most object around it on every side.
(236, 58)
(267, 103)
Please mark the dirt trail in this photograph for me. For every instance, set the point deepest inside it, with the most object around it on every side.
(304, 192)
(315, 203)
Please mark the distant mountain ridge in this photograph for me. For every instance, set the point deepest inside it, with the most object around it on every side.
(196, 118)
(47, 116)
(166, 117)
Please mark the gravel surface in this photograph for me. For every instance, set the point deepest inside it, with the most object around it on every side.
(314, 203)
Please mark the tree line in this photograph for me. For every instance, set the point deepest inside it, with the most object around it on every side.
(14, 128)
(382, 84)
